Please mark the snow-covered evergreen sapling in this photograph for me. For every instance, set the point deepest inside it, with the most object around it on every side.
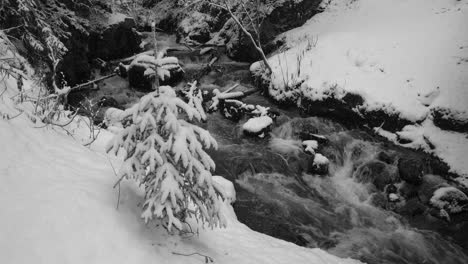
(165, 154)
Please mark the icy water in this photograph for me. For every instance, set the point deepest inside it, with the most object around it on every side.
(332, 212)
(277, 196)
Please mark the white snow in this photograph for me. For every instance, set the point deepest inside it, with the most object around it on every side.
(257, 124)
(393, 197)
(319, 159)
(229, 193)
(452, 147)
(401, 56)
(310, 145)
(116, 18)
(60, 207)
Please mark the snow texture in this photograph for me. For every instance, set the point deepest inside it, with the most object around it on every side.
(319, 159)
(310, 145)
(257, 124)
(165, 154)
(383, 51)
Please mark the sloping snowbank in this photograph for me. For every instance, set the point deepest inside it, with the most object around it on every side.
(59, 207)
(405, 57)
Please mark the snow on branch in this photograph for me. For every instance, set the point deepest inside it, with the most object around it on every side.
(166, 154)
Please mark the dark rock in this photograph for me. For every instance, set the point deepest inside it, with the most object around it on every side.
(231, 110)
(378, 199)
(115, 41)
(408, 190)
(430, 183)
(389, 121)
(75, 65)
(391, 188)
(450, 120)
(318, 168)
(106, 101)
(378, 173)
(411, 169)
(238, 47)
(287, 15)
(137, 78)
(195, 27)
(412, 207)
(386, 157)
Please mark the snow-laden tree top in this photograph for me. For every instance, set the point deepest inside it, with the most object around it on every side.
(165, 154)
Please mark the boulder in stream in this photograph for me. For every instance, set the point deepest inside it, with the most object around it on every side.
(257, 126)
(116, 40)
(450, 199)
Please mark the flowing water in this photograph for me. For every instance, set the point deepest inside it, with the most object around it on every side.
(331, 212)
(279, 195)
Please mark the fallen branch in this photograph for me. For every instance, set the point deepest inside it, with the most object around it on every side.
(81, 86)
(232, 88)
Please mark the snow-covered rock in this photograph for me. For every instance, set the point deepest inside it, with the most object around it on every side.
(393, 197)
(196, 27)
(449, 199)
(320, 164)
(310, 146)
(257, 125)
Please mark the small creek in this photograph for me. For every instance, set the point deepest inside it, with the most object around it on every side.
(346, 212)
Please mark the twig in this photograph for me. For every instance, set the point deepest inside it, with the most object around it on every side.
(10, 118)
(208, 259)
(232, 88)
(115, 173)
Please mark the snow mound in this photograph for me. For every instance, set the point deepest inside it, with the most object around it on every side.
(319, 159)
(310, 145)
(228, 191)
(257, 124)
(382, 51)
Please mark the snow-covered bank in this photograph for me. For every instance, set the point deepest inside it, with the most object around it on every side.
(404, 56)
(451, 147)
(407, 58)
(60, 207)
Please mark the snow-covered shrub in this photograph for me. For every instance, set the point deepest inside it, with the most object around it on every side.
(144, 67)
(165, 154)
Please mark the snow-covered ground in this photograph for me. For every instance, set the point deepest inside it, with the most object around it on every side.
(60, 207)
(403, 56)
